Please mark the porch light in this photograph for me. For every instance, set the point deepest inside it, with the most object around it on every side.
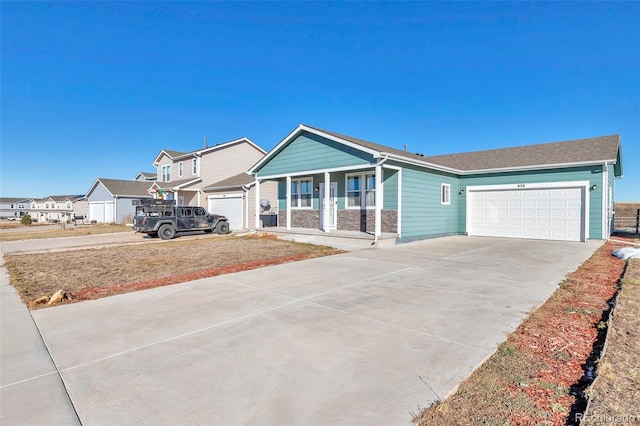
(594, 187)
(461, 192)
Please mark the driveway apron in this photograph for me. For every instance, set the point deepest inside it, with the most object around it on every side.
(365, 337)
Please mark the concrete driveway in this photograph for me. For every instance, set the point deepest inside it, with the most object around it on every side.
(361, 338)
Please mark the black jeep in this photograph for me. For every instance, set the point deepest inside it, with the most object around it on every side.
(164, 218)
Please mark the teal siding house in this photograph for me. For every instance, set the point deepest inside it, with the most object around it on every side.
(329, 181)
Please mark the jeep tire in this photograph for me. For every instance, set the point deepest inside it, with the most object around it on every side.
(166, 232)
(222, 228)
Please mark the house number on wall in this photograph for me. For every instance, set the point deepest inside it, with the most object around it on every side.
(521, 185)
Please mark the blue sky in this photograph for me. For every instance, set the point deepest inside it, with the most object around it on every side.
(97, 89)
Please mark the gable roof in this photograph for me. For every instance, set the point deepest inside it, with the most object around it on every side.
(177, 155)
(66, 197)
(147, 175)
(124, 188)
(177, 184)
(577, 152)
(237, 181)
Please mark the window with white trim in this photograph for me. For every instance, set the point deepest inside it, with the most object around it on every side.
(194, 166)
(361, 190)
(180, 169)
(445, 194)
(302, 193)
(166, 173)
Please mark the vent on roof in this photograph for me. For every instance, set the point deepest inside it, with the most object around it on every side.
(406, 147)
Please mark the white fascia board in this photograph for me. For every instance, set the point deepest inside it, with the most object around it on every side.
(534, 167)
(156, 162)
(420, 163)
(191, 182)
(302, 128)
(341, 141)
(90, 189)
(537, 185)
(229, 195)
(319, 171)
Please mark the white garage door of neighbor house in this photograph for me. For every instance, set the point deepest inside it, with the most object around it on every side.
(109, 212)
(544, 213)
(231, 207)
(96, 211)
(101, 211)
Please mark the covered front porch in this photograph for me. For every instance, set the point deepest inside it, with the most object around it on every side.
(348, 240)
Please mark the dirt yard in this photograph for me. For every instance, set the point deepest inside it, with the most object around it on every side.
(540, 373)
(14, 231)
(93, 273)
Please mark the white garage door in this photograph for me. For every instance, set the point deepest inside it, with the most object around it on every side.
(544, 213)
(109, 212)
(96, 211)
(102, 211)
(231, 207)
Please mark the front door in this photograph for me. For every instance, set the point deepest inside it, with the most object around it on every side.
(332, 204)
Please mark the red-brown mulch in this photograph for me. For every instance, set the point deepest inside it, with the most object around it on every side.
(104, 291)
(561, 335)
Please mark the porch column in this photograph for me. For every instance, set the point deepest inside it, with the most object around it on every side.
(288, 201)
(257, 206)
(378, 194)
(325, 202)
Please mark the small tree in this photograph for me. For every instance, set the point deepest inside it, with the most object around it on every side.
(26, 219)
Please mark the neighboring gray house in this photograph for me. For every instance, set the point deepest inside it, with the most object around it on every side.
(557, 191)
(110, 200)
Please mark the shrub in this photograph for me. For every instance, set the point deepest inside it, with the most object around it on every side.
(26, 219)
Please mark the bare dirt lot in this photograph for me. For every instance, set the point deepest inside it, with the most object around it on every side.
(14, 231)
(99, 272)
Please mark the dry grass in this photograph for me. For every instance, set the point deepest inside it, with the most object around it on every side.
(37, 275)
(8, 232)
(617, 390)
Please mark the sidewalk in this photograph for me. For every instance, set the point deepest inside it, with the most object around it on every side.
(31, 391)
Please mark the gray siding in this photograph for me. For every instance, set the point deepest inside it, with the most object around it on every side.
(100, 193)
(124, 210)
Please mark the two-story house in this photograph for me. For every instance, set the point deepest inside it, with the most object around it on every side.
(56, 208)
(216, 178)
(12, 208)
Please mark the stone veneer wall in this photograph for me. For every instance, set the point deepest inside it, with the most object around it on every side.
(348, 220)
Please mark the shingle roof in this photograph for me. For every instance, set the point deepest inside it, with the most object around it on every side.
(590, 150)
(64, 197)
(172, 154)
(176, 183)
(12, 199)
(133, 188)
(232, 182)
